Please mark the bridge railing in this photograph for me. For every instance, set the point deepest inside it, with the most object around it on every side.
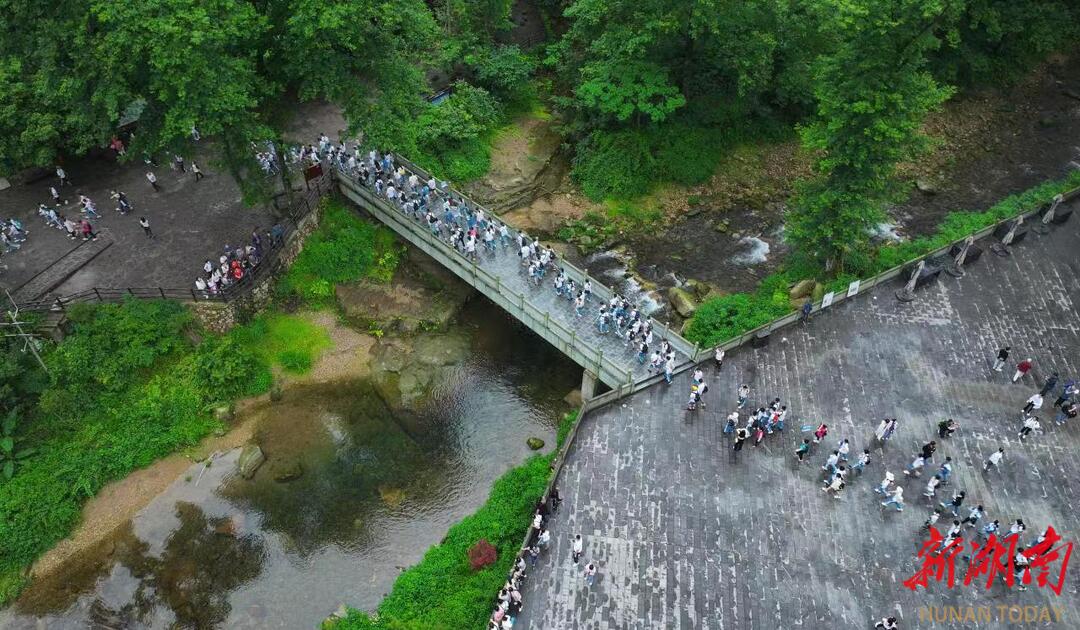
(616, 374)
(602, 291)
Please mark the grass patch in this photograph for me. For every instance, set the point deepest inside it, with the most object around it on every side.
(442, 590)
(618, 219)
(344, 248)
(126, 388)
(286, 341)
(565, 426)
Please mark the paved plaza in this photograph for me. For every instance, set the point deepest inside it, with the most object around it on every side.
(688, 534)
(192, 221)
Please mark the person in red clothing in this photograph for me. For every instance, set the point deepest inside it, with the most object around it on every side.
(1022, 368)
(87, 230)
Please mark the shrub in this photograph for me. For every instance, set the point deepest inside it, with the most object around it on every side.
(614, 164)
(728, 316)
(344, 248)
(565, 426)
(482, 554)
(505, 71)
(127, 388)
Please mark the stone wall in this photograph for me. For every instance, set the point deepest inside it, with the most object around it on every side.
(222, 316)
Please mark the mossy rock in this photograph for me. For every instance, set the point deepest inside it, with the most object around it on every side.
(535, 443)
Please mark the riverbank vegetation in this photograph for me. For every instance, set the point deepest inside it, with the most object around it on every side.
(132, 383)
(344, 248)
(127, 387)
(443, 590)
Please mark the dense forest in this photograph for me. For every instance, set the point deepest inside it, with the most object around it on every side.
(647, 90)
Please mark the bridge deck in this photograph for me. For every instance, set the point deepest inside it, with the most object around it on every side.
(501, 278)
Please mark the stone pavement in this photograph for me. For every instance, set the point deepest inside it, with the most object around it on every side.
(688, 534)
(193, 221)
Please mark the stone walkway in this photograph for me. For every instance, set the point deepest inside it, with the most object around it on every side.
(688, 534)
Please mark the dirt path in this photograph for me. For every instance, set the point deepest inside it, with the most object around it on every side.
(117, 503)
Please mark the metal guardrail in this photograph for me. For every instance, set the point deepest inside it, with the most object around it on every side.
(616, 375)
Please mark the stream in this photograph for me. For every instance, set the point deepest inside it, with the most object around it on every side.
(374, 492)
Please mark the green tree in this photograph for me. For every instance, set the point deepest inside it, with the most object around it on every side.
(872, 95)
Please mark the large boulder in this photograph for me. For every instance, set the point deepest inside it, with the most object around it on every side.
(404, 371)
(682, 302)
(250, 459)
(801, 289)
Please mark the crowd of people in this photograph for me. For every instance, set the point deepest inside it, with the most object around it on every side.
(967, 517)
(237, 262)
(78, 220)
(509, 602)
(471, 231)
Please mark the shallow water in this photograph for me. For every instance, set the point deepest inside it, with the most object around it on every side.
(216, 550)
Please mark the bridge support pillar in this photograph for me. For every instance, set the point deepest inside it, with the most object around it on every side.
(588, 385)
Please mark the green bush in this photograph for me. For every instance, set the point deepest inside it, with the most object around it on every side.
(615, 164)
(728, 316)
(127, 387)
(344, 248)
(443, 591)
(505, 71)
(686, 149)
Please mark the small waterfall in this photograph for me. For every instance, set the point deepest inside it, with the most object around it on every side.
(756, 252)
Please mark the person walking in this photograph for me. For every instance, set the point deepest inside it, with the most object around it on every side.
(1049, 384)
(554, 499)
(743, 394)
(821, 432)
(807, 307)
(883, 487)
(931, 487)
(196, 171)
(1034, 403)
(590, 573)
(178, 161)
(887, 623)
(896, 499)
(1031, 423)
(1022, 368)
(914, 469)
(732, 422)
(62, 175)
(150, 177)
(1002, 357)
(804, 448)
(1069, 390)
(145, 225)
(954, 505)
(864, 459)
(1067, 411)
(928, 449)
(995, 459)
(579, 546)
(946, 428)
(974, 515)
(718, 358)
(742, 434)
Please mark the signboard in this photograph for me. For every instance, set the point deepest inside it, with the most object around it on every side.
(853, 288)
(826, 300)
(313, 172)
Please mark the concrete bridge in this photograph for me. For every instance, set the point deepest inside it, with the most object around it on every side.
(499, 277)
